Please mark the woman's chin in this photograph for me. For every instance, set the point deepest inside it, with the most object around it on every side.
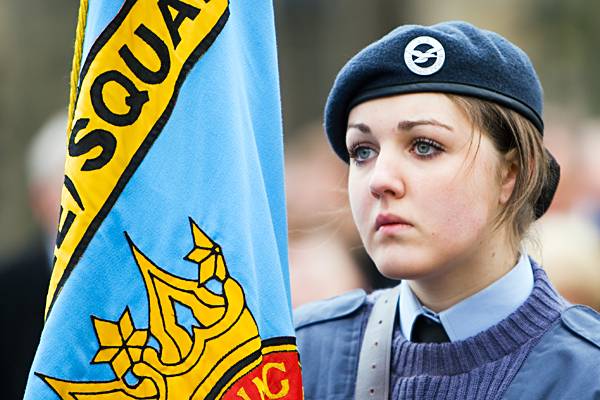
(410, 268)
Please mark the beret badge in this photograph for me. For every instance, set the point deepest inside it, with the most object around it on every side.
(424, 55)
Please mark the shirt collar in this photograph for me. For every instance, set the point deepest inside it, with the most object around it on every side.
(477, 312)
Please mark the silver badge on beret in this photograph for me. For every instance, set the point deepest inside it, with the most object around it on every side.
(420, 61)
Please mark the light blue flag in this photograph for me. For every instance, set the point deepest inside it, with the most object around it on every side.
(170, 272)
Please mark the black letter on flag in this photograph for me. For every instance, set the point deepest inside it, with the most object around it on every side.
(183, 11)
(135, 100)
(160, 48)
(62, 232)
(95, 138)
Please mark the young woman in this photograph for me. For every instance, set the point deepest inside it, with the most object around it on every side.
(442, 129)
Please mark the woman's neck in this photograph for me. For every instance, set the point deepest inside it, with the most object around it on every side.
(466, 276)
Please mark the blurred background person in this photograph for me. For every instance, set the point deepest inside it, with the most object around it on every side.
(570, 253)
(36, 48)
(589, 203)
(561, 138)
(24, 278)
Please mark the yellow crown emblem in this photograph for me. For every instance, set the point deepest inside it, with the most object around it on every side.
(198, 364)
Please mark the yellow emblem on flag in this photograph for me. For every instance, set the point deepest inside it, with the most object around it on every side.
(127, 90)
(222, 347)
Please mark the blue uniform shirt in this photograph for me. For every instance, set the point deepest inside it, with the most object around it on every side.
(562, 363)
(477, 312)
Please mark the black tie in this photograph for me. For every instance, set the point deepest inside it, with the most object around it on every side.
(426, 330)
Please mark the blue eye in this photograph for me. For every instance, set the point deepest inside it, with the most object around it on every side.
(361, 153)
(423, 149)
(426, 148)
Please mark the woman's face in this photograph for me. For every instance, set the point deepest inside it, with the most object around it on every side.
(424, 184)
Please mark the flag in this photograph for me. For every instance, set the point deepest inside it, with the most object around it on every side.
(170, 270)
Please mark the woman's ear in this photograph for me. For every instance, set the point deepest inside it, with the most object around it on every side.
(509, 172)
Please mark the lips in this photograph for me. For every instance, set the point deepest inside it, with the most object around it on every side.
(390, 220)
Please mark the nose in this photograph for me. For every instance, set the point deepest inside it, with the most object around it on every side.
(386, 178)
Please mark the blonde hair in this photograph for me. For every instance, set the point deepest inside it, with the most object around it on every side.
(510, 131)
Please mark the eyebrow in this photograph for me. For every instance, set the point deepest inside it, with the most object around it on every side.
(360, 126)
(408, 125)
(405, 125)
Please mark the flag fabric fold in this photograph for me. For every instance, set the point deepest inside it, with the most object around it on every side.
(170, 271)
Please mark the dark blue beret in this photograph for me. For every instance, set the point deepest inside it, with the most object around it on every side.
(450, 57)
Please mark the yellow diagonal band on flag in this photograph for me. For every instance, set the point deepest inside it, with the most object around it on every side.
(127, 89)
